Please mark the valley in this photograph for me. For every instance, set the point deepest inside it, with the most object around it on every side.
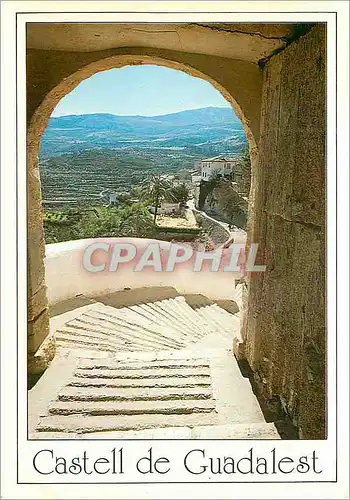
(81, 155)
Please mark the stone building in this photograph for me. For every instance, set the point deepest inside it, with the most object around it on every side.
(220, 165)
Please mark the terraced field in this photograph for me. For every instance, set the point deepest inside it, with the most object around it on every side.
(83, 154)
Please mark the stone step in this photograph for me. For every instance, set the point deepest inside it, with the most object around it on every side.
(161, 314)
(169, 309)
(86, 342)
(133, 393)
(216, 322)
(89, 364)
(232, 322)
(100, 338)
(183, 309)
(182, 313)
(164, 407)
(100, 341)
(132, 322)
(145, 373)
(224, 316)
(153, 369)
(259, 430)
(175, 327)
(132, 326)
(68, 349)
(168, 324)
(97, 423)
(234, 431)
(136, 336)
(197, 381)
(158, 311)
(75, 341)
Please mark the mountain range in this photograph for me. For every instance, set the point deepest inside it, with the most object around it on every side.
(207, 130)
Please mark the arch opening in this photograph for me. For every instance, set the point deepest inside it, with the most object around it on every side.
(41, 115)
(55, 96)
(38, 123)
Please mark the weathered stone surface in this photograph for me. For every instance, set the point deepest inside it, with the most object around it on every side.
(296, 188)
(239, 41)
(52, 435)
(38, 330)
(38, 319)
(106, 423)
(157, 433)
(130, 393)
(34, 214)
(39, 362)
(237, 431)
(37, 303)
(285, 323)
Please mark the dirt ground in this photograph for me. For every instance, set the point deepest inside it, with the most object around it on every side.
(166, 221)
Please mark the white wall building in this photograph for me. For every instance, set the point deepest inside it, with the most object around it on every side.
(220, 165)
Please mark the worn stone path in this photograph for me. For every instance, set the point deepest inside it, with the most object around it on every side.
(160, 369)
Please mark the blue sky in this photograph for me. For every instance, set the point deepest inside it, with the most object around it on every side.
(139, 90)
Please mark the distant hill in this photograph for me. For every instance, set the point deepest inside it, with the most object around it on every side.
(202, 116)
(83, 154)
(192, 128)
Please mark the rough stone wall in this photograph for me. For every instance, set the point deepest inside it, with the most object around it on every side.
(216, 231)
(38, 315)
(285, 323)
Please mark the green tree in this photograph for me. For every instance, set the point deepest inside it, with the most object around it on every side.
(179, 193)
(135, 221)
(130, 220)
(155, 189)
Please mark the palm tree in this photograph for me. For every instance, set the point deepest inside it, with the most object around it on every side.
(155, 189)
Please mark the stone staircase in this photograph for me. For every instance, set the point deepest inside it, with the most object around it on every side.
(163, 368)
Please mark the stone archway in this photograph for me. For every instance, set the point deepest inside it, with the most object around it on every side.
(38, 318)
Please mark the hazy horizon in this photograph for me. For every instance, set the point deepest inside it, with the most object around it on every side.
(144, 90)
(138, 115)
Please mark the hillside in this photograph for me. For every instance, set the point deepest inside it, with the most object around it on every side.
(82, 154)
